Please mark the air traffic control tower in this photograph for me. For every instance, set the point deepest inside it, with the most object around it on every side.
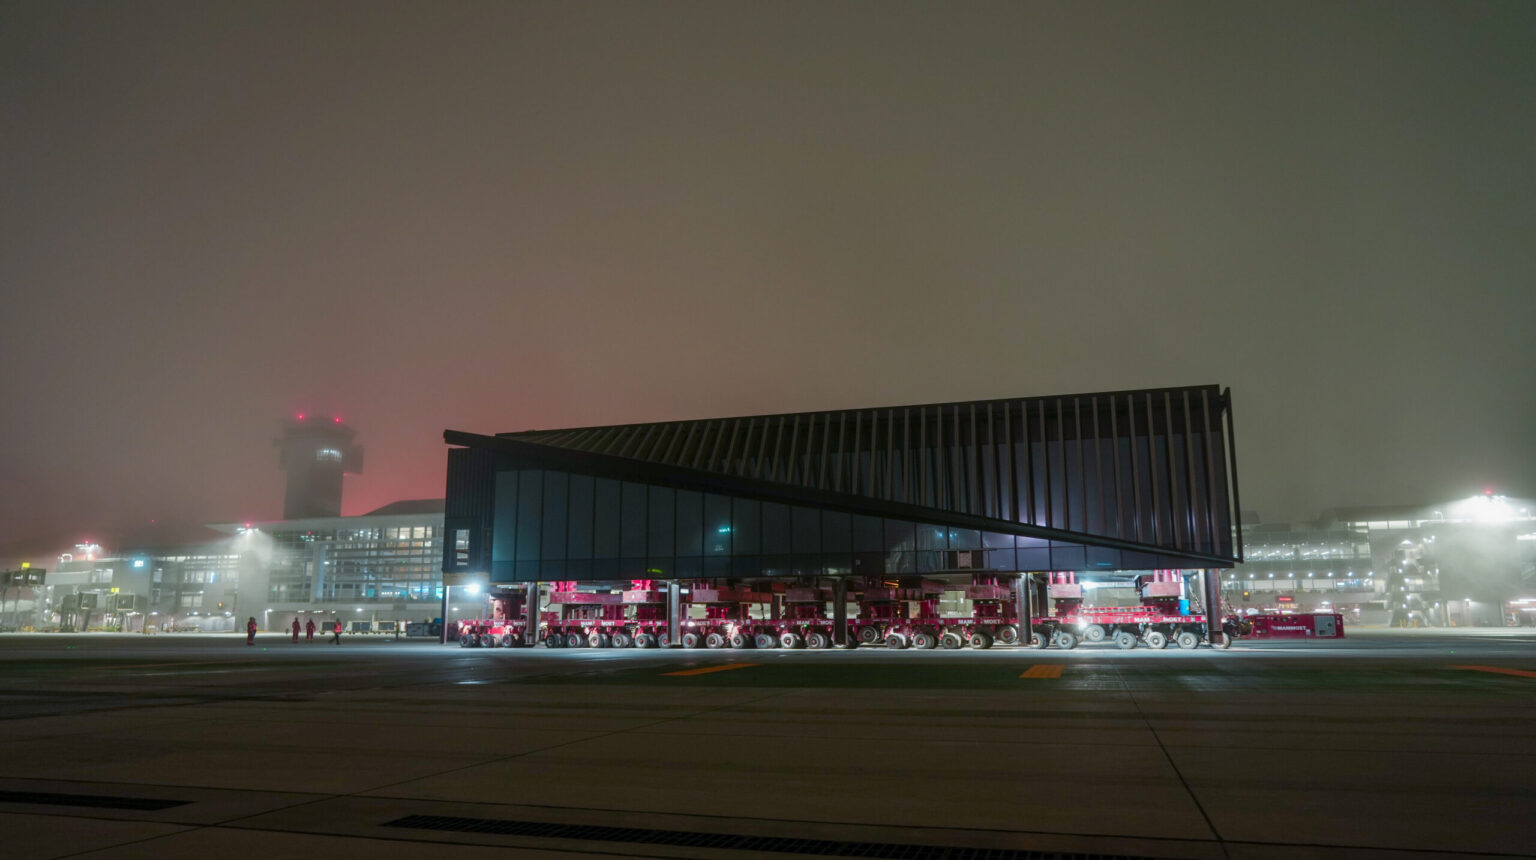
(317, 450)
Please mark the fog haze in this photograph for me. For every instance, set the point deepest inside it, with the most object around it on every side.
(503, 216)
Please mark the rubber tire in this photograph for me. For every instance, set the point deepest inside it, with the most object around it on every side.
(692, 640)
(869, 635)
(895, 641)
(741, 641)
(511, 640)
(715, 640)
(575, 640)
(1157, 640)
(1094, 633)
(663, 640)
(951, 641)
(818, 640)
(599, 640)
(487, 640)
(1125, 640)
(765, 640)
(645, 640)
(554, 640)
(467, 641)
(621, 639)
(1039, 641)
(791, 640)
(924, 640)
(1187, 640)
(1007, 634)
(981, 640)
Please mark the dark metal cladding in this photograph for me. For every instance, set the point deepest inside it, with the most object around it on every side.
(1149, 474)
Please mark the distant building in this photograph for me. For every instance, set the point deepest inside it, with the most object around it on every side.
(1464, 563)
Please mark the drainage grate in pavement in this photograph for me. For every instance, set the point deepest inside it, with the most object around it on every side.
(727, 842)
(97, 801)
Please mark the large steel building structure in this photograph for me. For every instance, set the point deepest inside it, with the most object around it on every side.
(1120, 481)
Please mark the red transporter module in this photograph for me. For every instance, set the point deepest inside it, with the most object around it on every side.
(582, 618)
(907, 614)
(1318, 625)
(1156, 622)
(506, 628)
(727, 618)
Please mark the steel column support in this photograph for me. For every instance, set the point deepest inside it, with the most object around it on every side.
(1210, 581)
(1021, 599)
(531, 614)
(443, 637)
(840, 611)
(674, 614)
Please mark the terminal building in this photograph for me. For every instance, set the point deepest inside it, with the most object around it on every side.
(1102, 484)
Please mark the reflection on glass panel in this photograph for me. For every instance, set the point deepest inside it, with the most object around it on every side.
(868, 534)
(900, 562)
(776, 537)
(690, 523)
(807, 530)
(1035, 558)
(836, 531)
(632, 542)
(580, 517)
(778, 564)
(605, 525)
(1067, 558)
(504, 528)
(993, 540)
(900, 536)
(746, 526)
(662, 521)
(930, 537)
(556, 488)
(717, 525)
(964, 539)
(530, 507)
(837, 563)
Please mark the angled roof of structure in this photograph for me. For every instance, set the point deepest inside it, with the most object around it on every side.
(1150, 472)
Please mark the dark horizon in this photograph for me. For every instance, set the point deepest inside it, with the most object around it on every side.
(494, 218)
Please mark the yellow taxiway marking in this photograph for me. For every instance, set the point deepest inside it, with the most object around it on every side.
(707, 669)
(1043, 670)
(1518, 673)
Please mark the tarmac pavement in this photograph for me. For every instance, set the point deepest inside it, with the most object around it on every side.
(1387, 744)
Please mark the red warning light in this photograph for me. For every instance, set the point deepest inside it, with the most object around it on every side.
(337, 419)
(301, 416)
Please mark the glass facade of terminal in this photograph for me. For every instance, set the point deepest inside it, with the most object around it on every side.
(358, 564)
(558, 525)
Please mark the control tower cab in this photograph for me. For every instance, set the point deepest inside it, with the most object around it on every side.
(316, 451)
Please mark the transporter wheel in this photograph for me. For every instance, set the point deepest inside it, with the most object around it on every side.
(508, 640)
(741, 640)
(554, 640)
(487, 640)
(1094, 633)
(818, 640)
(1066, 640)
(1039, 641)
(925, 640)
(1156, 640)
(621, 639)
(1008, 634)
(981, 640)
(951, 640)
(575, 640)
(644, 640)
(895, 641)
(692, 640)
(1125, 640)
(765, 640)
(869, 635)
(663, 640)
(467, 641)
(791, 640)
(714, 640)
(1187, 640)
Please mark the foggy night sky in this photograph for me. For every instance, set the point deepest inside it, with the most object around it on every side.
(502, 216)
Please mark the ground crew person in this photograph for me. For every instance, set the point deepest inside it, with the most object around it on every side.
(250, 631)
(295, 631)
(336, 634)
(309, 629)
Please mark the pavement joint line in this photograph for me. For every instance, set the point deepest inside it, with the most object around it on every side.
(705, 670)
(1043, 670)
(1499, 670)
(1175, 766)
